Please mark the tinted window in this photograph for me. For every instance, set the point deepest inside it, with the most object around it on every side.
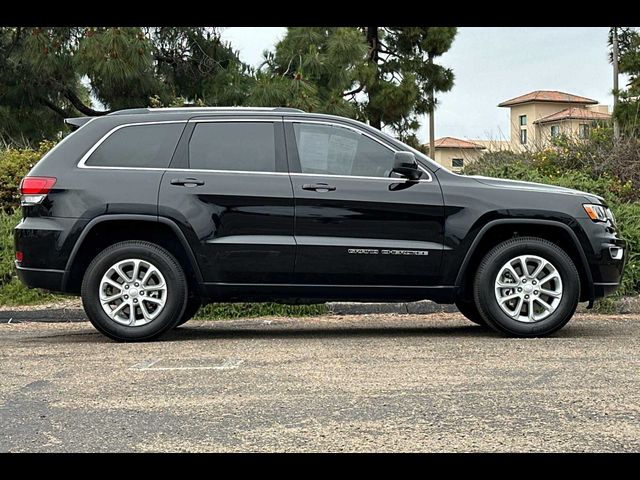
(326, 149)
(233, 146)
(138, 146)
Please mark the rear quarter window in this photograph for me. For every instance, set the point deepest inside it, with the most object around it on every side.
(142, 146)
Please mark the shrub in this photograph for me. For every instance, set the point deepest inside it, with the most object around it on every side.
(7, 222)
(15, 164)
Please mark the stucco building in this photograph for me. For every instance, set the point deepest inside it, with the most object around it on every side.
(535, 118)
(539, 116)
(454, 153)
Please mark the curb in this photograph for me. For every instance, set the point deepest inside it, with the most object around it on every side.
(423, 307)
(51, 315)
(625, 305)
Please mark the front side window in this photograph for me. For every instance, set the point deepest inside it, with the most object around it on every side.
(334, 150)
(523, 136)
(239, 146)
(138, 146)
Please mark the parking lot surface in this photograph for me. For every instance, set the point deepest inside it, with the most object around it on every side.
(355, 383)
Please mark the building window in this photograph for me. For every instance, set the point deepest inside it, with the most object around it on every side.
(583, 130)
(523, 120)
(457, 163)
(555, 130)
(523, 136)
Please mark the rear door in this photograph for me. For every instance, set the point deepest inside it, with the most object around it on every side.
(229, 190)
(358, 224)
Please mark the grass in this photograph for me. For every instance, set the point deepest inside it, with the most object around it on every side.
(15, 293)
(219, 311)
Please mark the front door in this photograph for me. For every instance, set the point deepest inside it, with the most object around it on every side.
(356, 223)
(229, 190)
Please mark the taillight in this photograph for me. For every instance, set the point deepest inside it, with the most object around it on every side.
(35, 189)
(19, 256)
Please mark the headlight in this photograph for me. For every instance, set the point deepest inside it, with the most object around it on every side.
(610, 216)
(599, 213)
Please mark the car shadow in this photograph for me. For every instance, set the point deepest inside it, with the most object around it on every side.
(259, 331)
(194, 333)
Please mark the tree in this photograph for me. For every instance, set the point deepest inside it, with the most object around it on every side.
(407, 77)
(627, 111)
(313, 68)
(386, 76)
(47, 74)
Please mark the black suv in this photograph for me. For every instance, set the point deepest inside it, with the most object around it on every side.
(150, 213)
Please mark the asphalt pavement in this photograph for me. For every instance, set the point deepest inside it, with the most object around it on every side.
(373, 383)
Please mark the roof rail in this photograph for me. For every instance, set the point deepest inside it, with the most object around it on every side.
(135, 111)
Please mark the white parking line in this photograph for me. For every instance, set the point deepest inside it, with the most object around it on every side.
(149, 365)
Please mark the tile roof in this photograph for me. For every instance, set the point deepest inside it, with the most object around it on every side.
(574, 113)
(547, 96)
(451, 142)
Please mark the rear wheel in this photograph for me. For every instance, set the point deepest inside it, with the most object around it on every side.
(527, 287)
(470, 311)
(134, 291)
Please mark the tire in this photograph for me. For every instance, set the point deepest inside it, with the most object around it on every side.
(564, 285)
(159, 306)
(193, 305)
(470, 311)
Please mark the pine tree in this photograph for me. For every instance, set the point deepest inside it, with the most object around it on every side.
(386, 76)
(312, 68)
(628, 108)
(47, 74)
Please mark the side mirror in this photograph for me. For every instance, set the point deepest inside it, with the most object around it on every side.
(406, 165)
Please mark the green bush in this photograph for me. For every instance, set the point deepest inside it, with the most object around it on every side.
(7, 255)
(15, 164)
(12, 291)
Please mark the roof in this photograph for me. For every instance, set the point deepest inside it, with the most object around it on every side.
(552, 96)
(574, 113)
(451, 142)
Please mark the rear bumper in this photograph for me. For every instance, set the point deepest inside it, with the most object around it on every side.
(41, 278)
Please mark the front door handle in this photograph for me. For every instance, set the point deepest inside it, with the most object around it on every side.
(318, 187)
(187, 182)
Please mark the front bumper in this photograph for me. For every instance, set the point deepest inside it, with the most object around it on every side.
(608, 271)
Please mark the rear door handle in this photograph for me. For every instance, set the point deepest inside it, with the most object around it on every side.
(187, 182)
(318, 187)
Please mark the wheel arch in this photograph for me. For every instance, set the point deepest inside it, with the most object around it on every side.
(172, 237)
(503, 229)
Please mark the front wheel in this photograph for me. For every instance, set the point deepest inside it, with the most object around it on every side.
(527, 287)
(134, 291)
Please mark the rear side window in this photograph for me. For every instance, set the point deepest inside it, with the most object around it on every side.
(242, 146)
(148, 146)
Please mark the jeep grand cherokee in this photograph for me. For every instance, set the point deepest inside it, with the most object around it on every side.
(150, 213)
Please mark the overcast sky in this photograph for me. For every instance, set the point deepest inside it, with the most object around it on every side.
(492, 65)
